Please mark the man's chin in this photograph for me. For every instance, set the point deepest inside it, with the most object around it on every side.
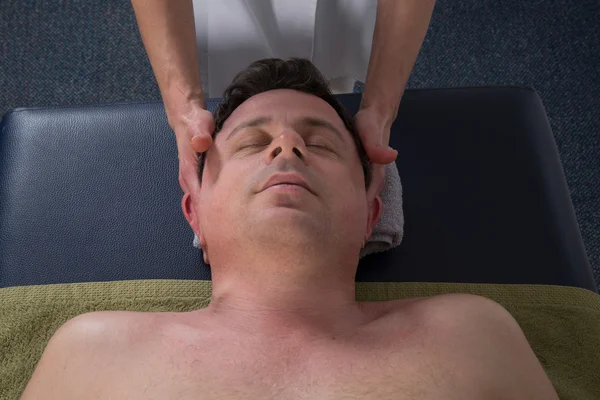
(286, 202)
(287, 211)
(292, 216)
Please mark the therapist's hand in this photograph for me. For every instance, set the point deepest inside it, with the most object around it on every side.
(193, 126)
(374, 132)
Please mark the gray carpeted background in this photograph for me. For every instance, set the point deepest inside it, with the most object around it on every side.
(79, 52)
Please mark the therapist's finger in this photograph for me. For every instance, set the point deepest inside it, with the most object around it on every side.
(381, 155)
(201, 143)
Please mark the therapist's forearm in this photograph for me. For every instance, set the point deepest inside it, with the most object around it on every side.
(168, 33)
(400, 29)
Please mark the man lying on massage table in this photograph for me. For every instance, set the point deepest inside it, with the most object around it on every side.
(282, 214)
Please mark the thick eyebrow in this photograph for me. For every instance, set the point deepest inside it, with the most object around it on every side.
(310, 121)
(253, 122)
(318, 123)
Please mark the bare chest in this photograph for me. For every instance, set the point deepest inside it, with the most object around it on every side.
(370, 367)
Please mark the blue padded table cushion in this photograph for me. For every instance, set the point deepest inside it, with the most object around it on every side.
(91, 193)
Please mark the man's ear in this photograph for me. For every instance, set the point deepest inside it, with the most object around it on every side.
(375, 208)
(189, 210)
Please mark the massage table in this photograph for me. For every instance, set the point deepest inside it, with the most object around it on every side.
(91, 219)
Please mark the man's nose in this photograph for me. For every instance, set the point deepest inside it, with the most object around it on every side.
(288, 144)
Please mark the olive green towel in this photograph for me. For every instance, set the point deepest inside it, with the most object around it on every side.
(561, 323)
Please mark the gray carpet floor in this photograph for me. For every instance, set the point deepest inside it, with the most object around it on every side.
(82, 52)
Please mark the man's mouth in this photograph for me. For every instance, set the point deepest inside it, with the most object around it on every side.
(286, 182)
(286, 187)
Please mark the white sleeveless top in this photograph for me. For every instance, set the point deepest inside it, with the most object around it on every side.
(336, 35)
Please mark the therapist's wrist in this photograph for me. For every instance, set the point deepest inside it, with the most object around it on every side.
(383, 99)
(387, 110)
(179, 101)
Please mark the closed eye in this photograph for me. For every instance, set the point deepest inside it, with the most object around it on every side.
(318, 146)
(254, 145)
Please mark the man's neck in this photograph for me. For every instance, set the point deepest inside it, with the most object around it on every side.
(279, 294)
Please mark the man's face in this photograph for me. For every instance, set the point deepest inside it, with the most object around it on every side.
(283, 132)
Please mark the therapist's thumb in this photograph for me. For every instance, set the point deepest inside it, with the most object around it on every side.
(201, 129)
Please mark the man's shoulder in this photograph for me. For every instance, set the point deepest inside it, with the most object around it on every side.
(441, 306)
(456, 316)
(446, 305)
(89, 339)
(103, 327)
(474, 310)
(486, 337)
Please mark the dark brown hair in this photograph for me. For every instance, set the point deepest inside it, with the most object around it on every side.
(273, 73)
